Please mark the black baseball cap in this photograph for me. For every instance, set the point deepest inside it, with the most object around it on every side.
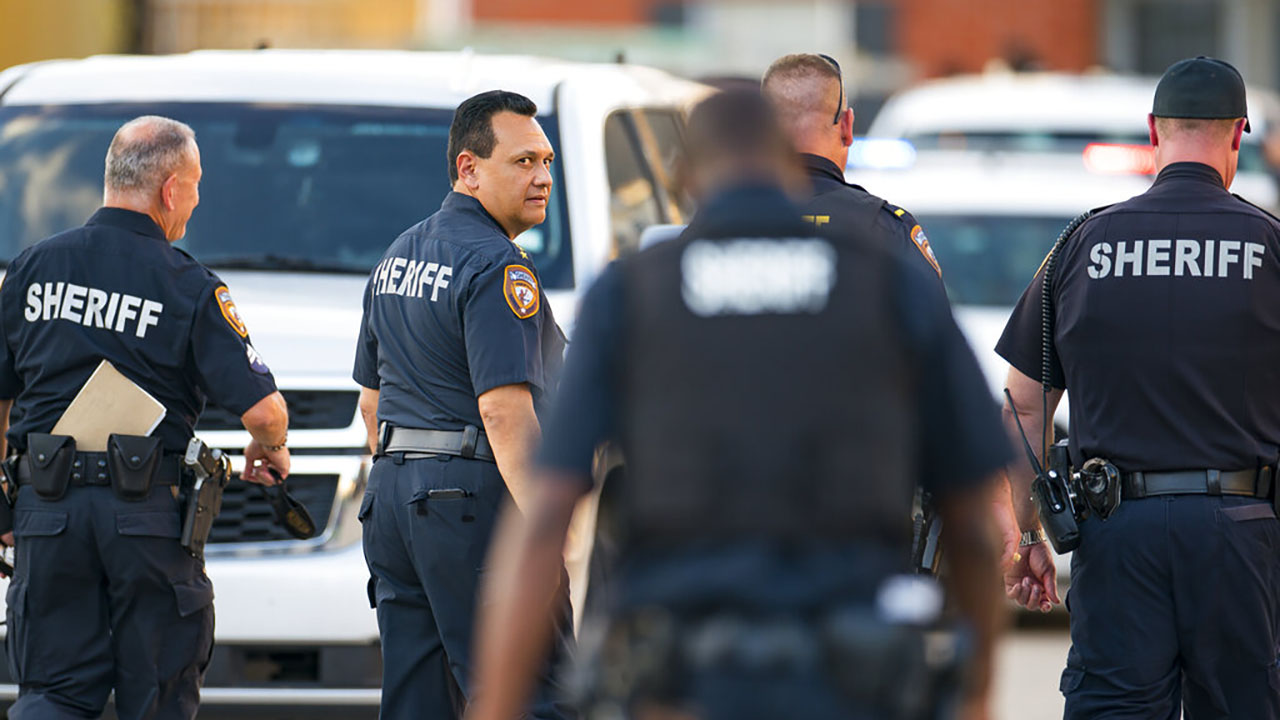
(1201, 87)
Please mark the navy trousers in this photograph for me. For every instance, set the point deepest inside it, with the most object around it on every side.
(426, 555)
(1175, 607)
(104, 598)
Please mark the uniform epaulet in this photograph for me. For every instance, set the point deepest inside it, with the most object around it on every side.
(1251, 204)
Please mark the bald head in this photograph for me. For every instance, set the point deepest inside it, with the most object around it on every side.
(805, 91)
(153, 167)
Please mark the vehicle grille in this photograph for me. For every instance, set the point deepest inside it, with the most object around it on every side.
(246, 513)
(308, 410)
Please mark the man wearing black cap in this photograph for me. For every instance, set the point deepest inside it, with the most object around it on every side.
(1162, 321)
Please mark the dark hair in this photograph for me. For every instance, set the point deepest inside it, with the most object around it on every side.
(472, 127)
(734, 124)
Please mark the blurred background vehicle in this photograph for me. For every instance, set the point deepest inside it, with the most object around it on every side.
(313, 163)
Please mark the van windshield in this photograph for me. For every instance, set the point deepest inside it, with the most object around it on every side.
(990, 259)
(286, 188)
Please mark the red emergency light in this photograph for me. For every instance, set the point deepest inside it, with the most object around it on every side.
(1118, 159)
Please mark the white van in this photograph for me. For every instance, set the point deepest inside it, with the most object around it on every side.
(314, 161)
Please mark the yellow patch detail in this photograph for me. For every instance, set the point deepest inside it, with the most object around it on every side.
(229, 312)
(520, 287)
(817, 220)
(900, 212)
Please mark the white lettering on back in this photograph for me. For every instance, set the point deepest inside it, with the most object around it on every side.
(757, 276)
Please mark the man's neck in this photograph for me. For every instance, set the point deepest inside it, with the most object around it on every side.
(461, 189)
(1171, 154)
(127, 203)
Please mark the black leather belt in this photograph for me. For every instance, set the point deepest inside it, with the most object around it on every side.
(90, 468)
(467, 443)
(1251, 483)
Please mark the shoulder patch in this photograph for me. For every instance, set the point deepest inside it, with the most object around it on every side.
(922, 244)
(229, 312)
(255, 360)
(520, 287)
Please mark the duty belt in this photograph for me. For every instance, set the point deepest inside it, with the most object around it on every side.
(1251, 483)
(90, 468)
(469, 442)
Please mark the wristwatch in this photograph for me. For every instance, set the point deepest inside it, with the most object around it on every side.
(1032, 537)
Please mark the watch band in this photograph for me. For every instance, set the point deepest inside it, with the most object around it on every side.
(277, 448)
(1032, 537)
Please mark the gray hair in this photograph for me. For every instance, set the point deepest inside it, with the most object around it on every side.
(145, 151)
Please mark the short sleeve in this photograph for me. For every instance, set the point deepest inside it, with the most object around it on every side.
(502, 319)
(1022, 342)
(962, 439)
(585, 412)
(365, 372)
(917, 246)
(10, 383)
(227, 367)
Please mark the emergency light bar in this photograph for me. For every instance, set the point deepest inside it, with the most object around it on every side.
(1117, 159)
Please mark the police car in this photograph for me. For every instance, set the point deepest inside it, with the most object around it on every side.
(1097, 119)
(314, 161)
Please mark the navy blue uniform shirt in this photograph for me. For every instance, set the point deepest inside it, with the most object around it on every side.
(454, 309)
(117, 290)
(1167, 329)
(836, 208)
(961, 438)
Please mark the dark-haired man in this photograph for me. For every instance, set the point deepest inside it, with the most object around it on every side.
(457, 354)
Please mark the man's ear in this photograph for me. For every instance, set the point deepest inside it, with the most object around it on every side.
(1151, 130)
(846, 127)
(1237, 134)
(467, 170)
(168, 189)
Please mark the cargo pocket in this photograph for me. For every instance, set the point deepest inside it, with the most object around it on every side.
(1071, 680)
(193, 595)
(15, 614)
(39, 523)
(372, 589)
(149, 524)
(366, 505)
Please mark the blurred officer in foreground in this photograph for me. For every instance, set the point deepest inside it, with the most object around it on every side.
(761, 382)
(1166, 332)
(104, 597)
(800, 87)
(458, 350)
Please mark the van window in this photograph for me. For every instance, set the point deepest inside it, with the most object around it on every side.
(667, 128)
(303, 188)
(633, 200)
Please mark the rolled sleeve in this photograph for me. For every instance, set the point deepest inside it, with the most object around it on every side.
(227, 367)
(365, 371)
(504, 341)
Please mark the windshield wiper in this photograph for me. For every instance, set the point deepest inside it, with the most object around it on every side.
(289, 263)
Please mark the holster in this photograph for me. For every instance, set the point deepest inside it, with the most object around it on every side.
(897, 670)
(133, 461)
(8, 492)
(48, 464)
(203, 496)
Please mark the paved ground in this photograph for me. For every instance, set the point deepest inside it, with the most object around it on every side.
(1027, 677)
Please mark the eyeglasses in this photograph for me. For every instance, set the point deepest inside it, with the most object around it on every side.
(839, 78)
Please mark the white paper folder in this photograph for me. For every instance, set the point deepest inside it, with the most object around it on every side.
(108, 403)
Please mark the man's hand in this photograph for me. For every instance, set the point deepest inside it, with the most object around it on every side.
(258, 462)
(1032, 582)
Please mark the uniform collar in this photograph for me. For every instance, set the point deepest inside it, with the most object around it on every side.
(1190, 171)
(749, 209)
(458, 202)
(127, 220)
(818, 166)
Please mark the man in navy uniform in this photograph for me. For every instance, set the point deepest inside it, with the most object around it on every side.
(104, 597)
(1166, 332)
(800, 87)
(762, 383)
(458, 352)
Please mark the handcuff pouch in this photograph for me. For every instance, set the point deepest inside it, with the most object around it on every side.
(48, 464)
(133, 461)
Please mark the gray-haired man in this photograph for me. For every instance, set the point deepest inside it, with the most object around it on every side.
(104, 597)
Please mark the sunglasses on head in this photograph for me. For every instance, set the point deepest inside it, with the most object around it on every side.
(839, 78)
